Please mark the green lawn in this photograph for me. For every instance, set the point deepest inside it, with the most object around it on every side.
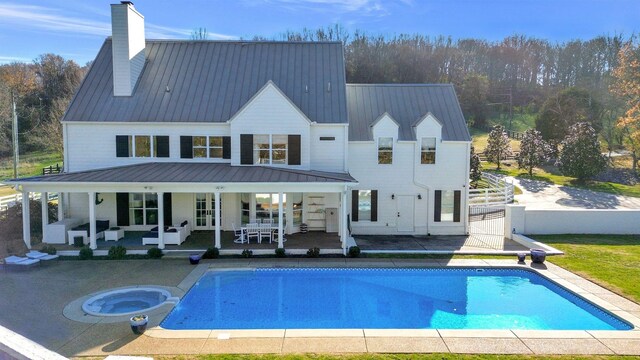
(612, 261)
(29, 164)
(479, 140)
(521, 122)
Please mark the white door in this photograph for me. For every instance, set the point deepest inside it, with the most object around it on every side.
(204, 216)
(405, 213)
(331, 219)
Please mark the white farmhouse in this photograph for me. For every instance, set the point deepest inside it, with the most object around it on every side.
(214, 135)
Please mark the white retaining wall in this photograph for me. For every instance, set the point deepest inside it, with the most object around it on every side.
(520, 220)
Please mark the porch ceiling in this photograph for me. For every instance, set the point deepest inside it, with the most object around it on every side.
(190, 173)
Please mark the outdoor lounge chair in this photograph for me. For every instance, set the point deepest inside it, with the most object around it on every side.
(265, 233)
(33, 254)
(20, 261)
(253, 230)
(238, 233)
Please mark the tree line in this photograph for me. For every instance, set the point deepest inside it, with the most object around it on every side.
(554, 80)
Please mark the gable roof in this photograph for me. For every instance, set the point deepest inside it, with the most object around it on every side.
(174, 172)
(209, 81)
(406, 104)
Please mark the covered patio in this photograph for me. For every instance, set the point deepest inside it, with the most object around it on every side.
(94, 196)
(203, 239)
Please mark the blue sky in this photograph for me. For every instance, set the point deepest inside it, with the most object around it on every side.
(75, 29)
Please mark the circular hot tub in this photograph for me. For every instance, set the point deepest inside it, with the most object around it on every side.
(127, 301)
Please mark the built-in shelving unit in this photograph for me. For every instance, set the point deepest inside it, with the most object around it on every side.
(315, 213)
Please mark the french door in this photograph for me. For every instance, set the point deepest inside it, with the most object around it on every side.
(204, 216)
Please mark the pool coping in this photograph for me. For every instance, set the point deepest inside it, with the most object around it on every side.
(591, 292)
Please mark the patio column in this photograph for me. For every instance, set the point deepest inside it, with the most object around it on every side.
(60, 206)
(280, 221)
(26, 220)
(160, 196)
(216, 218)
(93, 243)
(44, 205)
(343, 221)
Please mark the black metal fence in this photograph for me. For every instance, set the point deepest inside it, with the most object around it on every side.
(486, 220)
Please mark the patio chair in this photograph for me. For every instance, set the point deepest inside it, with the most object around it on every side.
(20, 261)
(265, 233)
(238, 233)
(253, 230)
(33, 254)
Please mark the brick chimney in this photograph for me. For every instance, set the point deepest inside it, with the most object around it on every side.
(128, 44)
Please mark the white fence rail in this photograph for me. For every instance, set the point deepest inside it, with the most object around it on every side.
(500, 192)
(10, 200)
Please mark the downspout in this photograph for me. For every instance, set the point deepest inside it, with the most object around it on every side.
(418, 183)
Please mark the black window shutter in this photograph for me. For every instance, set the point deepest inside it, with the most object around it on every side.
(437, 206)
(122, 146)
(122, 209)
(246, 149)
(162, 144)
(374, 205)
(354, 205)
(167, 209)
(186, 147)
(226, 147)
(456, 206)
(294, 150)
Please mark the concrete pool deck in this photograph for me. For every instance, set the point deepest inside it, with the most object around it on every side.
(33, 304)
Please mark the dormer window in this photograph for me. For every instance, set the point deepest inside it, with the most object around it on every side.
(428, 150)
(385, 150)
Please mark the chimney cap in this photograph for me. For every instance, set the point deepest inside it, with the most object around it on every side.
(126, 2)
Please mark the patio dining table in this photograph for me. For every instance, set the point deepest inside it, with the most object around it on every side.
(244, 238)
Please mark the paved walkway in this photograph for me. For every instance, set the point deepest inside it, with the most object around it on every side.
(542, 195)
(478, 243)
(33, 303)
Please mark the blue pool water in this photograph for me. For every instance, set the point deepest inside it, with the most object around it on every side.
(451, 298)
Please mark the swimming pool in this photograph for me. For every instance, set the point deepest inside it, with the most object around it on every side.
(438, 298)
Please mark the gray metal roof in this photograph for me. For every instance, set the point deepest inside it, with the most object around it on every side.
(192, 173)
(406, 104)
(210, 81)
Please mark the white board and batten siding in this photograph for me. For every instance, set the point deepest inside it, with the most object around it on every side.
(405, 178)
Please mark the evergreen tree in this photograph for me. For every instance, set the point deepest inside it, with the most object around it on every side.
(534, 151)
(580, 155)
(475, 174)
(498, 145)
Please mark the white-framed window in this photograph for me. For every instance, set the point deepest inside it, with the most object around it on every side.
(143, 208)
(143, 146)
(267, 207)
(296, 200)
(207, 147)
(428, 150)
(364, 205)
(447, 206)
(270, 149)
(385, 150)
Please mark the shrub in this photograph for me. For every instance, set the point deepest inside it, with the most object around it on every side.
(281, 253)
(246, 253)
(85, 253)
(49, 249)
(117, 252)
(211, 253)
(313, 252)
(354, 251)
(154, 253)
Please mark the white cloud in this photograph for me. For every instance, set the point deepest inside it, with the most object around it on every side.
(362, 7)
(10, 59)
(46, 19)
